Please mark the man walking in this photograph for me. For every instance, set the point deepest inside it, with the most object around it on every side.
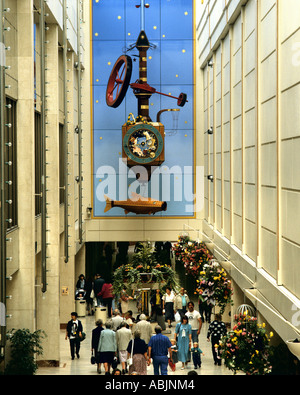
(195, 321)
(158, 348)
(98, 284)
(74, 333)
(216, 330)
(123, 337)
(145, 327)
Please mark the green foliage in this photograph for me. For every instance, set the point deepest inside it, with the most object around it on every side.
(144, 268)
(213, 286)
(246, 348)
(24, 346)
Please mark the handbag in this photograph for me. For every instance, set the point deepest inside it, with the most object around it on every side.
(93, 359)
(92, 295)
(83, 336)
(114, 363)
(130, 360)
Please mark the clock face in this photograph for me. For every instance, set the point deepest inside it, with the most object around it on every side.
(143, 143)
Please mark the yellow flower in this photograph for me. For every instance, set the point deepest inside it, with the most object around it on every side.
(271, 334)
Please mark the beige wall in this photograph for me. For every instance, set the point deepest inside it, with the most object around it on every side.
(29, 307)
(251, 98)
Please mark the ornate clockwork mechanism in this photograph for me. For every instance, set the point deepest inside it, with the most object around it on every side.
(143, 144)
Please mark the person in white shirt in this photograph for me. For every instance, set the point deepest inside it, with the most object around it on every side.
(180, 302)
(168, 305)
(117, 319)
(123, 338)
(195, 321)
(145, 328)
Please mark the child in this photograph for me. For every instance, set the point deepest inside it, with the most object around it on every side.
(174, 356)
(196, 352)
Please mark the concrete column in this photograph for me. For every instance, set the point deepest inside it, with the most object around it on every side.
(238, 299)
(67, 269)
(22, 306)
(48, 303)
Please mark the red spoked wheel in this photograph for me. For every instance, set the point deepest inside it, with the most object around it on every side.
(182, 99)
(118, 81)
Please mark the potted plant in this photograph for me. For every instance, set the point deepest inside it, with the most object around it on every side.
(246, 347)
(213, 286)
(194, 257)
(179, 247)
(142, 269)
(24, 346)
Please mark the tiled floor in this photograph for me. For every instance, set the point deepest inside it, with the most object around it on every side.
(83, 366)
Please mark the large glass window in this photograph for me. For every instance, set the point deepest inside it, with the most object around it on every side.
(37, 159)
(61, 164)
(11, 164)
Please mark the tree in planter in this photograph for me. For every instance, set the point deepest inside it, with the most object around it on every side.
(24, 346)
(144, 268)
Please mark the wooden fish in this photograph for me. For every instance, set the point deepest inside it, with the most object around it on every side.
(138, 205)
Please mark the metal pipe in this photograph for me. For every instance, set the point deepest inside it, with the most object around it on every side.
(43, 148)
(142, 14)
(65, 131)
(2, 197)
(79, 123)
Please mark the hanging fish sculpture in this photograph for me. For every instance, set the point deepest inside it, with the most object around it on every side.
(138, 205)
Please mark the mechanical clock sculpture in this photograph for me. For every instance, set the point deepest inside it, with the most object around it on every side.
(143, 141)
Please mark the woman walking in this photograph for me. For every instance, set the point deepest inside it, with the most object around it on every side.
(107, 347)
(168, 305)
(184, 332)
(95, 342)
(124, 301)
(107, 296)
(138, 349)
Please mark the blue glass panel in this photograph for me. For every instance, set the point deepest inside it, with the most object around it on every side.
(177, 19)
(106, 117)
(152, 20)
(107, 148)
(105, 54)
(174, 188)
(108, 19)
(179, 149)
(177, 62)
(169, 27)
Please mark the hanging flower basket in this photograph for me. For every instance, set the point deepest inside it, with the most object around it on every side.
(194, 257)
(144, 269)
(179, 248)
(246, 348)
(213, 286)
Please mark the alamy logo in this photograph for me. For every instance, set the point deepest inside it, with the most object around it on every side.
(2, 314)
(114, 183)
(296, 316)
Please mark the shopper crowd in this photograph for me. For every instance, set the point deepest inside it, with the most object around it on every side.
(134, 343)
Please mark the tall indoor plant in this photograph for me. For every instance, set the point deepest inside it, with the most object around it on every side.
(24, 346)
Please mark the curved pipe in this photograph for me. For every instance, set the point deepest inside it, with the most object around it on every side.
(166, 109)
(79, 125)
(65, 52)
(43, 149)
